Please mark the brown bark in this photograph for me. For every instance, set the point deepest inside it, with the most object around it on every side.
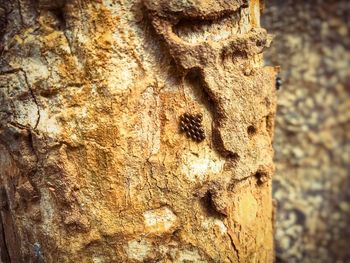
(93, 165)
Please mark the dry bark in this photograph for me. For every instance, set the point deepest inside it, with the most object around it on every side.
(93, 167)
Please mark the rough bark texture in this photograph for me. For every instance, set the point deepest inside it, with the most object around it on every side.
(93, 166)
(312, 144)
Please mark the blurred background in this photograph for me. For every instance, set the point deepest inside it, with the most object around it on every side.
(312, 138)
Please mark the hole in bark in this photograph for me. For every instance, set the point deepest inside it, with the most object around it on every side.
(208, 205)
(59, 15)
(261, 177)
(251, 130)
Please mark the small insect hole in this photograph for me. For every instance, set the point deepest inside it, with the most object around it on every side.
(208, 205)
(251, 130)
(261, 178)
(60, 18)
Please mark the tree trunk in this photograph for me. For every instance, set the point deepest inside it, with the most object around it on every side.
(94, 166)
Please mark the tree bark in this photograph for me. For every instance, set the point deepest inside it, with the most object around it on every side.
(93, 164)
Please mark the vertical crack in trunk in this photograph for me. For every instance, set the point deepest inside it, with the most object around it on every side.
(32, 94)
(33, 97)
(4, 252)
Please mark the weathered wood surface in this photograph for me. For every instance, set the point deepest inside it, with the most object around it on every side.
(93, 167)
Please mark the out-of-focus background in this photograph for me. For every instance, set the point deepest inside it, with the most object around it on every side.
(312, 138)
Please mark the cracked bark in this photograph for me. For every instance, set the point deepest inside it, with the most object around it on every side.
(4, 251)
(92, 161)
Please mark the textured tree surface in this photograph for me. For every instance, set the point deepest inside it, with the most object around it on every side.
(93, 165)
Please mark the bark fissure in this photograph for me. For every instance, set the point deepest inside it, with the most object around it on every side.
(5, 256)
(102, 161)
(11, 242)
(69, 42)
(232, 238)
(34, 99)
(32, 94)
(217, 114)
(20, 11)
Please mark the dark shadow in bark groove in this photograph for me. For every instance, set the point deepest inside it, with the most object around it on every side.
(202, 92)
(209, 207)
(5, 257)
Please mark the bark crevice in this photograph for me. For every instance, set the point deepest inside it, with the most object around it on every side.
(4, 251)
(31, 91)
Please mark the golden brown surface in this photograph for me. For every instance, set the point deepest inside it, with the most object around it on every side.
(93, 165)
